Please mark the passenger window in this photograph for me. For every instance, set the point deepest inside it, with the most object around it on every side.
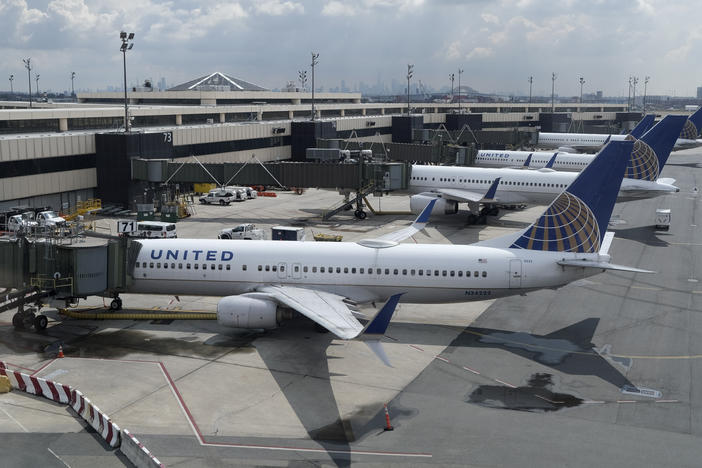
(394, 272)
(304, 269)
(219, 267)
(361, 270)
(165, 265)
(204, 266)
(260, 268)
(180, 266)
(321, 269)
(421, 272)
(187, 266)
(353, 271)
(296, 269)
(484, 274)
(274, 268)
(476, 274)
(158, 265)
(229, 267)
(314, 269)
(282, 268)
(338, 269)
(436, 272)
(428, 272)
(268, 268)
(443, 273)
(196, 266)
(387, 271)
(212, 266)
(378, 271)
(404, 272)
(452, 273)
(370, 271)
(460, 273)
(243, 267)
(151, 265)
(412, 272)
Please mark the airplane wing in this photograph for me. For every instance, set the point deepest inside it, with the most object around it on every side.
(326, 309)
(469, 196)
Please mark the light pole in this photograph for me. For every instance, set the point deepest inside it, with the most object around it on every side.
(460, 72)
(531, 81)
(73, 75)
(28, 66)
(36, 77)
(126, 45)
(628, 99)
(410, 72)
(553, 92)
(315, 61)
(12, 78)
(645, 86)
(302, 76)
(452, 76)
(582, 82)
(633, 96)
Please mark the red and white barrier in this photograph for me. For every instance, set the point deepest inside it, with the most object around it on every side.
(51, 390)
(136, 452)
(96, 418)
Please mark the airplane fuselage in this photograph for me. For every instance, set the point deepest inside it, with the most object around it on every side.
(421, 273)
(572, 162)
(517, 185)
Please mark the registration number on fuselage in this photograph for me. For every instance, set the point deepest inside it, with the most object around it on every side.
(478, 292)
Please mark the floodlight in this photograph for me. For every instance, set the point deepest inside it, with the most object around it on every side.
(122, 35)
(131, 36)
(130, 46)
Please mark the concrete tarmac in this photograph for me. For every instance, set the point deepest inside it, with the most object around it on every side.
(601, 372)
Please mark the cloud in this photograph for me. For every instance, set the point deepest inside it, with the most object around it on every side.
(479, 52)
(335, 8)
(490, 18)
(278, 8)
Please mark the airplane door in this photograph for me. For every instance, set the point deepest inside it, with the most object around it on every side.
(296, 270)
(515, 273)
(282, 273)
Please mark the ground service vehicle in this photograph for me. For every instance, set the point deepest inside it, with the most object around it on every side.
(246, 231)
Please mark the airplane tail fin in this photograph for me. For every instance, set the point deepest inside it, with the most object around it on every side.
(576, 221)
(549, 164)
(652, 150)
(693, 126)
(643, 126)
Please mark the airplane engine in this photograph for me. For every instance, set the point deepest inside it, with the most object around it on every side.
(443, 207)
(247, 312)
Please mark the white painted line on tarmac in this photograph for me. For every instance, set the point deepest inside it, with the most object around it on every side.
(667, 401)
(626, 401)
(471, 370)
(594, 402)
(416, 348)
(58, 458)
(441, 358)
(13, 419)
(505, 383)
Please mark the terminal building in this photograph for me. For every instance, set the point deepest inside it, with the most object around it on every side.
(58, 154)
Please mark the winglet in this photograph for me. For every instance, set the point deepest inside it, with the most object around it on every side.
(423, 217)
(528, 160)
(549, 164)
(376, 328)
(490, 194)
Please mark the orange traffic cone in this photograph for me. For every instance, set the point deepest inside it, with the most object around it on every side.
(387, 427)
(60, 353)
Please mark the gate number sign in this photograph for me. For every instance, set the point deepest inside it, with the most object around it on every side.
(126, 226)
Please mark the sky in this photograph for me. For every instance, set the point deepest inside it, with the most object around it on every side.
(498, 43)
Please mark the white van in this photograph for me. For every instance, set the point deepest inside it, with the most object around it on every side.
(155, 229)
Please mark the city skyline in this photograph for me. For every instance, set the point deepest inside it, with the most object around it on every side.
(500, 44)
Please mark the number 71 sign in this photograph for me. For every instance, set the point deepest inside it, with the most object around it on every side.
(126, 226)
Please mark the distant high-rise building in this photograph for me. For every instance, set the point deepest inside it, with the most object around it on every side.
(162, 84)
(599, 95)
(699, 92)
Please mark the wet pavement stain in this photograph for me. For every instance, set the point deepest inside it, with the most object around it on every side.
(536, 396)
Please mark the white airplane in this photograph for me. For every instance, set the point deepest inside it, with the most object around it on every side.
(261, 279)
(571, 142)
(656, 139)
(451, 185)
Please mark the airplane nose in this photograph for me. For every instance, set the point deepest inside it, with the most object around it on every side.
(677, 190)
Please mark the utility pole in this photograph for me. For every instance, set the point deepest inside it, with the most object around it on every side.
(553, 92)
(36, 77)
(582, 82)
(531, 81)
(645, 86)
(12, 78)
(633, 99)
(126, 45)
(452, 76)
(315, 61)
(460, 106)
(410, 72)
(28, 66)
(73, 75)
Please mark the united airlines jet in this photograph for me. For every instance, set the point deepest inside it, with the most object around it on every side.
(487, 187)
(570, 142)
(576, 162)
(260, 280)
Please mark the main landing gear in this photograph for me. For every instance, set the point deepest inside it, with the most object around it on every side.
(482, 217)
